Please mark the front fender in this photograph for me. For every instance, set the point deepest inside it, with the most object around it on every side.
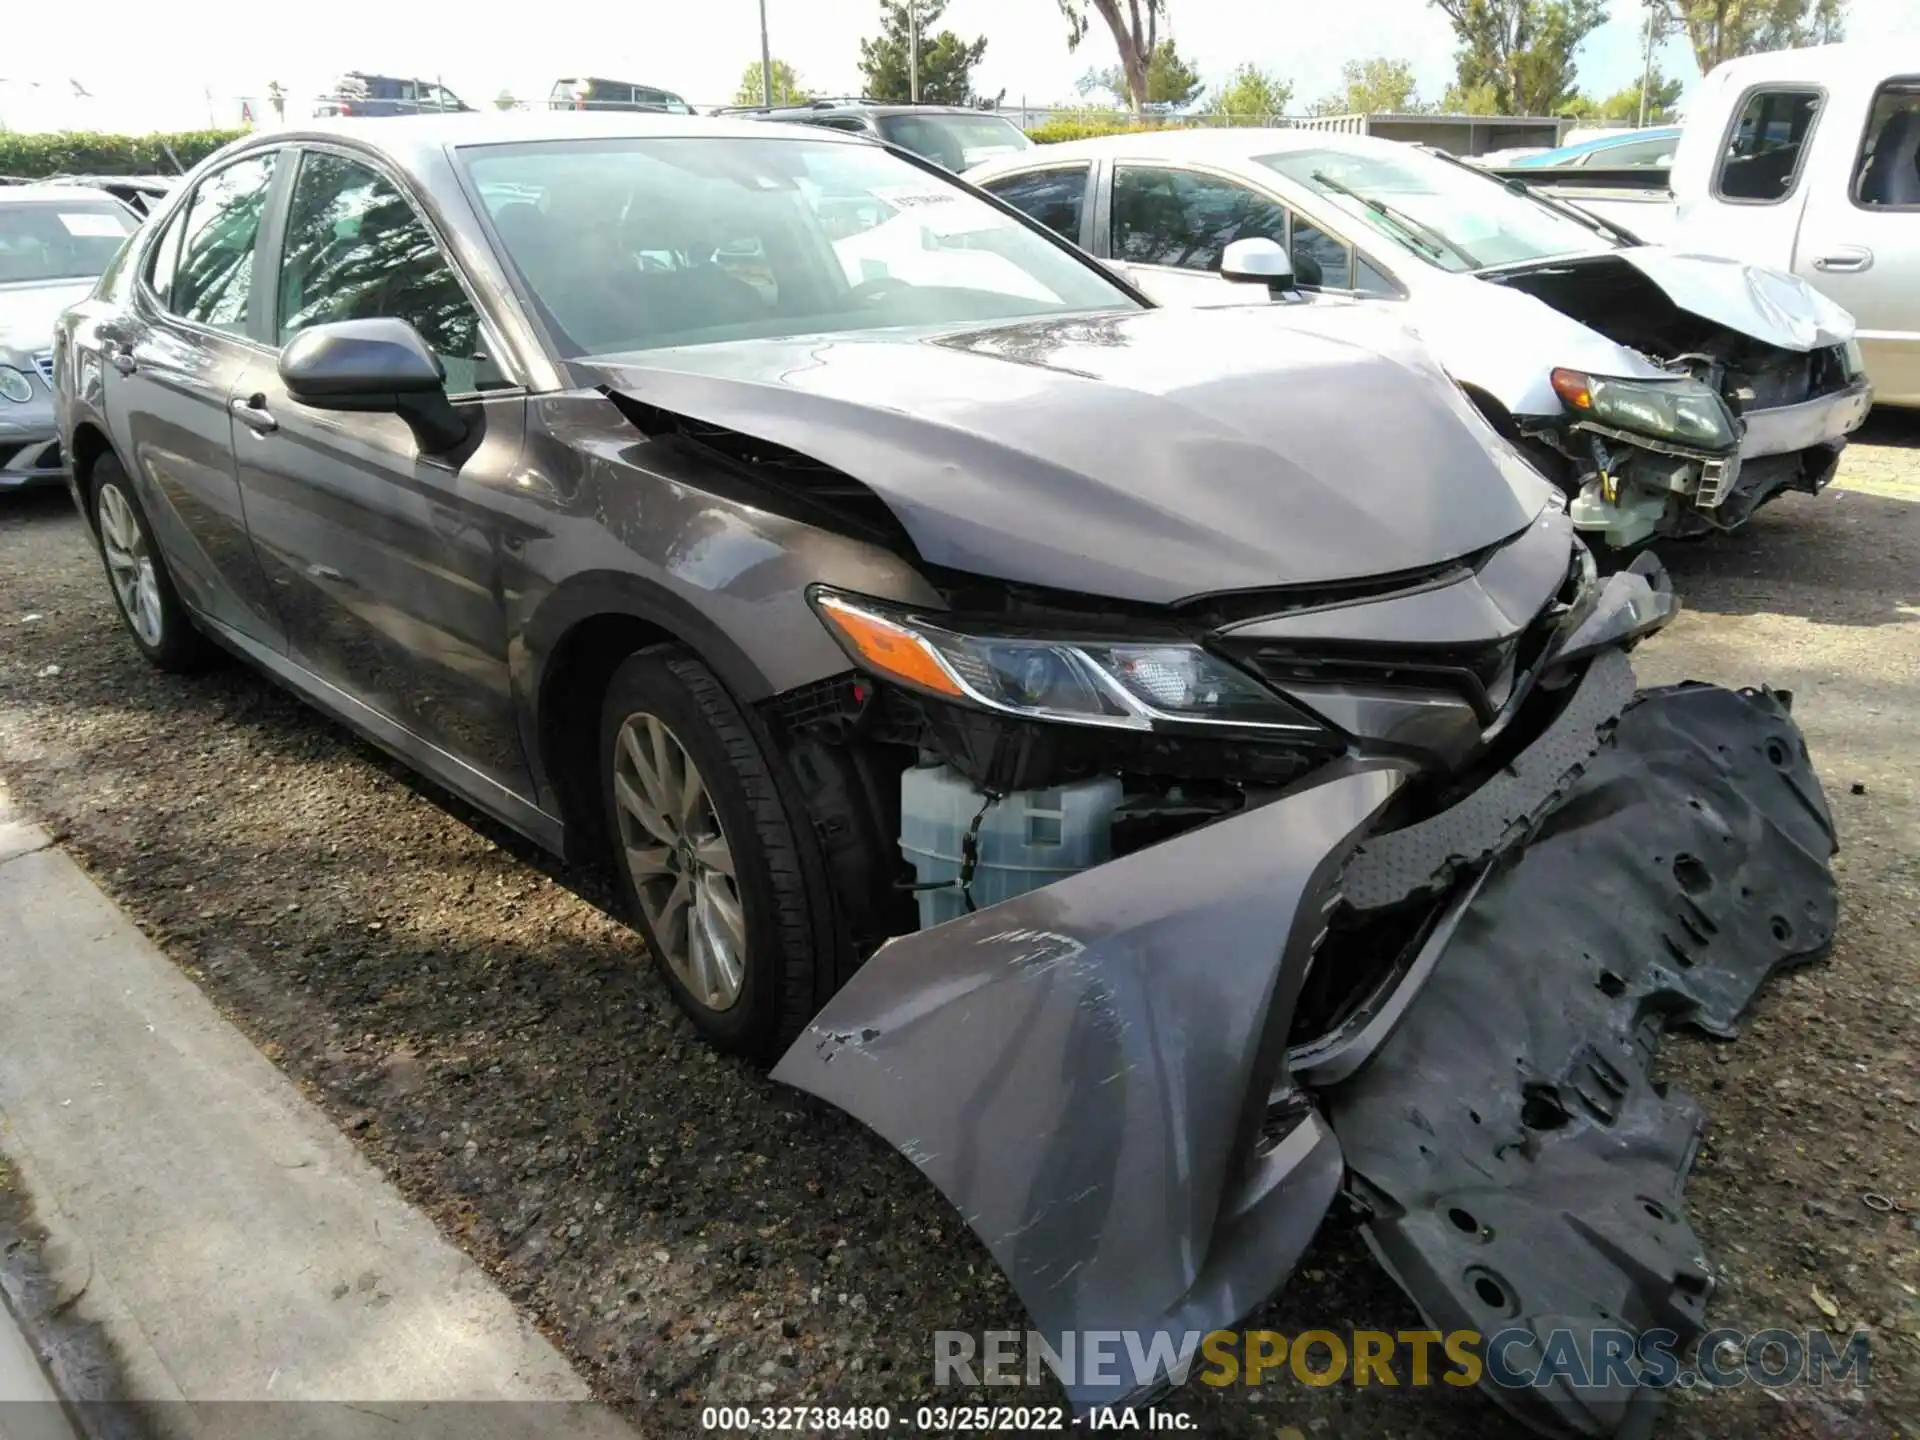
(1092, 1072)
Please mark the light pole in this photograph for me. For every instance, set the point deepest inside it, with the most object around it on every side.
(766, 61)
(913, 51)
(1646, 68)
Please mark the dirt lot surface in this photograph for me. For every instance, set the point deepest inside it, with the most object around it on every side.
(691, 1232)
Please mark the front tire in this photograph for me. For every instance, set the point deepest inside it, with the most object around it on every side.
(150, 606)
(708, 856)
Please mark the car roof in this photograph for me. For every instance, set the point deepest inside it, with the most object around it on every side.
(1218, 144)
(412, 142)
(57, 194)
(1625, 137)
(854, 107)
(1871, 61)
(1603, 142)
(610, 80)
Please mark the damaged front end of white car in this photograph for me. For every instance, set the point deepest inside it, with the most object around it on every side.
(1726, 386)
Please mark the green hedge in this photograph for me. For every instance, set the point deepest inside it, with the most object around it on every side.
(80, 152)
(1056, 132)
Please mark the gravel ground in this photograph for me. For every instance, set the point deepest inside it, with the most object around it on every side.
(690, 1232)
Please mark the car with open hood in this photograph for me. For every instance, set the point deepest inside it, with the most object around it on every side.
(1668, 394)
(54, 242)
(1160, 768)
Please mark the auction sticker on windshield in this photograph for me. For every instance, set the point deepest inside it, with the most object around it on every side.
(92, 224)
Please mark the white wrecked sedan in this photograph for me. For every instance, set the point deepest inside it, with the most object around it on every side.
(1668, 394)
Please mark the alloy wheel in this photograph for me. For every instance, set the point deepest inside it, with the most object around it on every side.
(682, 866)
(130, 566)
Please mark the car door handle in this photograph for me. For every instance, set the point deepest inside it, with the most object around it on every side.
(1846, 258)
(251, 411)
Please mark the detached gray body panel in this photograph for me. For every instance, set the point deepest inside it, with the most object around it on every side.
(1083, 1071)
(1095, 1073)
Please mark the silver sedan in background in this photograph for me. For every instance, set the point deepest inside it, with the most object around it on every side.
(55, 240)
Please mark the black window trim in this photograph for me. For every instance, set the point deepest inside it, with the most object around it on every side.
(1910, 82)
(162, 307)
(498, 353)
(1784, 87)
(1084, 163)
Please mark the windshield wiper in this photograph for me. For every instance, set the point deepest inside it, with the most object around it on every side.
(1559, 207)
(1421, 237)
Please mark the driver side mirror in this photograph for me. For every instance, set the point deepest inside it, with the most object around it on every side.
(374, 366)
(1257, 261)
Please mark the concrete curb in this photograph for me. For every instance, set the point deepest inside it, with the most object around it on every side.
(229, 1242)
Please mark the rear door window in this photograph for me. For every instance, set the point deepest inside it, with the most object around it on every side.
(1761, 165)
(1184, 219)
(1057, 198)
(212, 280)
(1886, 173)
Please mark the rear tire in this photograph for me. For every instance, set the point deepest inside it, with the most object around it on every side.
(143, 590)
(708, 856)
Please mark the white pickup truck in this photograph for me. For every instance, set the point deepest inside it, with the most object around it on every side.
(1804, 160)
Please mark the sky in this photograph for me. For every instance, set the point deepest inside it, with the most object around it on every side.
(153, 64)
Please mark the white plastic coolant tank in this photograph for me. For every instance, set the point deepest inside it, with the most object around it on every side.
(1027, 839)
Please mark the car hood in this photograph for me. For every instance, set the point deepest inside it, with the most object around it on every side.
(1147, 456)
(1753, 300)
(28, 312)
(1766, 304)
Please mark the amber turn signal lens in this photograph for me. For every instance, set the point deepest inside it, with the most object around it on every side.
(1571, 386)
(890, 649)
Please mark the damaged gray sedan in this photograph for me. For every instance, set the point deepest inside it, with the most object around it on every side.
(1161, 769)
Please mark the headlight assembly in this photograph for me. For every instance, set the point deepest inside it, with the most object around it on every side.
(1855, 362)
(1151, 684)
(1680, 411)
(14, 385)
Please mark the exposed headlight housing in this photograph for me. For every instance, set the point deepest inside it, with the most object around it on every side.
(1680, 411)
(14, 385)
(1851, 357)
(1144, 685)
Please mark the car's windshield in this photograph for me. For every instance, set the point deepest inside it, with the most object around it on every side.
(60, 241)
(958, 142)
(1444, 213)
(638, 244)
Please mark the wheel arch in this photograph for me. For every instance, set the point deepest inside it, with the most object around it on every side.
(570, 649)
(87, 448)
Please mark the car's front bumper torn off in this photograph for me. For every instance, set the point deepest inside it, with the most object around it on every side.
(1521, 1168)
(1099, 1076)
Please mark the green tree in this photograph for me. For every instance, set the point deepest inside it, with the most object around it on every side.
(504, 100)
(1251, 96)
(787, 89)
(1624, 105)
(1170, 80)
(1516, 57)
(1722, 29)
(1372, 87)
(1135, 27)
(946, 61)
